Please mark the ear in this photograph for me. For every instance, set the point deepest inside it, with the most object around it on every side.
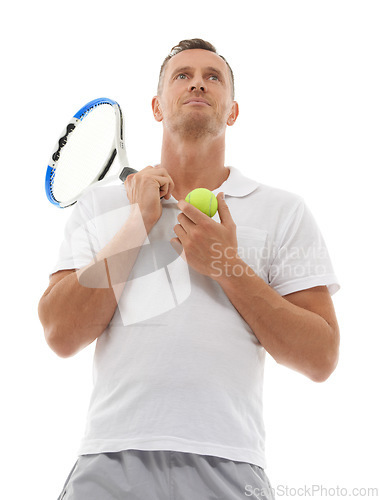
(233, 114)
(157, 112)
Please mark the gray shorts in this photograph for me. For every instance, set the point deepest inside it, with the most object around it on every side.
(163, 475)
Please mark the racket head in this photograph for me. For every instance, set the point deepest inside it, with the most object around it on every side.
(85, 151)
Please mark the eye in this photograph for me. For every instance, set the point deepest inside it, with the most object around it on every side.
(181, 76)
(214, 77)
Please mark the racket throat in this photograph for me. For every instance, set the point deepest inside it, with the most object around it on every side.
(108, 165)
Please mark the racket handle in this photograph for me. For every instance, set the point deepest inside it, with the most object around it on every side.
(125, 172)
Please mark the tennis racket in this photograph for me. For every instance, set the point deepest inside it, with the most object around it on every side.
(86, 151)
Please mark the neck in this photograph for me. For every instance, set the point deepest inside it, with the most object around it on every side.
(194, 163)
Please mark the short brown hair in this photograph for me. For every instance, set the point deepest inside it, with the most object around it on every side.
(194, 43)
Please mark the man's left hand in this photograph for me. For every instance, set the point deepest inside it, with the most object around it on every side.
(203, 243)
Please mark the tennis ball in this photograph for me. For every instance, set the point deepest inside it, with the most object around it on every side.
(204, 200)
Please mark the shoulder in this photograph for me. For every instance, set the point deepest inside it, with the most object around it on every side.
(254, 203)
(273, 206)
(277, 198)
(240, 185)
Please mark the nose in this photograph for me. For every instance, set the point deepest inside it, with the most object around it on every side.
(197, 85)
(201, 87)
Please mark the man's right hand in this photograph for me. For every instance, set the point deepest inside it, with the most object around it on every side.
(146, 188)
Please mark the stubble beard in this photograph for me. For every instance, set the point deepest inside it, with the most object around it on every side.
(195, 126)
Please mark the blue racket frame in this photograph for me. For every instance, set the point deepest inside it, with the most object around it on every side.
(119, 149)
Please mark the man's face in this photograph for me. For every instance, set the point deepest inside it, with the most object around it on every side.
(196, 95)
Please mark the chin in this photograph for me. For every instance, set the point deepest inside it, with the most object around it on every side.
(197, 126)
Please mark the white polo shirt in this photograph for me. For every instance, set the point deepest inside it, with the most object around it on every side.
(178, 368)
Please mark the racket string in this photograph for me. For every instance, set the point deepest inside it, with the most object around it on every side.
(83, 152)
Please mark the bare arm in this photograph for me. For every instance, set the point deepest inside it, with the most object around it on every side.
(299, 331)
(68, 312)
(77, 306)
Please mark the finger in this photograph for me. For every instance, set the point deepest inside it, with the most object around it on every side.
(193, 213)
(162, 172)
(166, 185)
(223, 210)
(186, 223)
(128, 179)
(159, 173)
(180, 232)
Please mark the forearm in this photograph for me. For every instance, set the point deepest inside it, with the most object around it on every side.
(73, 316)
(77, 309)
(295, 337)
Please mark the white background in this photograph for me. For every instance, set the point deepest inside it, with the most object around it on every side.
(307, 82)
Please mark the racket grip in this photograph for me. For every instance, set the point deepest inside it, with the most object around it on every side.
(125, 172)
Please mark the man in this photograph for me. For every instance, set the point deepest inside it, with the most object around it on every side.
(176, 410)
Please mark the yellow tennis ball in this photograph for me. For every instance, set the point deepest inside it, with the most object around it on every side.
(204, 200)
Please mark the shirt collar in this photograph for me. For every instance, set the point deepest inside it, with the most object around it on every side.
(237, 184)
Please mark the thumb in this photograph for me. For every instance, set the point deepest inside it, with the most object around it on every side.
(223, 209)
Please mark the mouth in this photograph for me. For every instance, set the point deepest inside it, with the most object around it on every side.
(196, 101)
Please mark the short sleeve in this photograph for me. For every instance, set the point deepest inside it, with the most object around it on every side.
(80, 243)
(300, 257)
